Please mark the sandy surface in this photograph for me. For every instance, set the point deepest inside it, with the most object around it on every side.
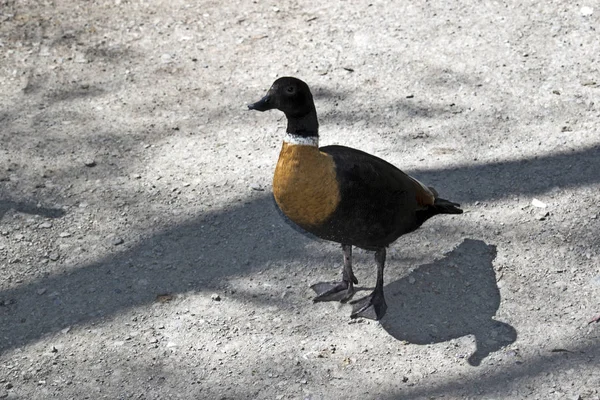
(141, 255)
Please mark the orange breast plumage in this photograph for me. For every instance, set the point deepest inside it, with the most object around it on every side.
(305, 186)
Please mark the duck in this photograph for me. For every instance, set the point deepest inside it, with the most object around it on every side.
(343, 195)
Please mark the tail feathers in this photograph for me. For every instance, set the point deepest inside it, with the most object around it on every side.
(440, 206)
(443, 206)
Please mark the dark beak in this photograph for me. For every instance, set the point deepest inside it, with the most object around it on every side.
(263, 104)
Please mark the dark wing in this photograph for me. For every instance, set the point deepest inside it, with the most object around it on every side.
(378, 201)
(424, 195)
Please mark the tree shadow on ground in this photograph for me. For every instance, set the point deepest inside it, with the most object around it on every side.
(29, 208)
(449, 298)
(512, 380)
(498, 180)
(404, 108)
(198, 255)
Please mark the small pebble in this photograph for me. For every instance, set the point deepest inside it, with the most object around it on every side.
(89, 162)
(64, 234)
(257, 187)
(117, 241)
(80, 58)
(164, 298)
(586, 11)
(45, 225)
(537, 203)
(215, 297)
(54, 256)
(543, 216)
(41, 291)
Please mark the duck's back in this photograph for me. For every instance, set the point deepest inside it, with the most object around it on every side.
(378, 202)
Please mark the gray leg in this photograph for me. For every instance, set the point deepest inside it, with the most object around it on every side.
(330, 291)
(373, 306)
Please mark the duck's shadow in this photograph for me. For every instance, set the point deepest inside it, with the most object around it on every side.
(449, 298)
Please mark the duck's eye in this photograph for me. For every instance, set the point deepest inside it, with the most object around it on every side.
(290, 90)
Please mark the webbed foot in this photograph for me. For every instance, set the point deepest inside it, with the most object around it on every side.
(333, 291)
(372, 306)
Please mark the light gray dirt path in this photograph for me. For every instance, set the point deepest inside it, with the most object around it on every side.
(141, 255)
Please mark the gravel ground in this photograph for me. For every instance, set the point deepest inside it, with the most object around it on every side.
(141, 255)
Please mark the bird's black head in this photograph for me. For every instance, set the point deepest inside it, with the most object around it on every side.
(287, 94)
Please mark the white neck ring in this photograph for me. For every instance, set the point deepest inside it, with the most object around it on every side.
(301, 140)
